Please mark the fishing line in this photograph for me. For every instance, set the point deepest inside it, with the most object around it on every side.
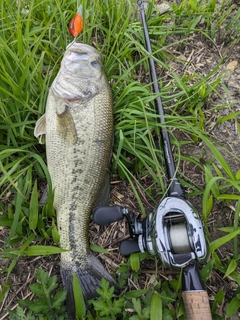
(179, 238)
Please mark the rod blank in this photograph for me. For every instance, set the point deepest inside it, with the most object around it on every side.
(175, 188)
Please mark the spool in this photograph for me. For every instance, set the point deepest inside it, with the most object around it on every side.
(179, 238)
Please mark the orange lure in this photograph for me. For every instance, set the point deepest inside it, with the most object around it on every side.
(75, 26)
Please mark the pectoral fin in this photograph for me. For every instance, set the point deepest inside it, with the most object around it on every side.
(40, 128)
(65, 124)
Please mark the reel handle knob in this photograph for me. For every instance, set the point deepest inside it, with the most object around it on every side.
(129, 246)
(106, 215)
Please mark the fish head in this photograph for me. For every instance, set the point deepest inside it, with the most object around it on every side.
(81, 67)
(82, 61)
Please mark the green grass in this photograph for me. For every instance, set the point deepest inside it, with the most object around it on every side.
(33, 38)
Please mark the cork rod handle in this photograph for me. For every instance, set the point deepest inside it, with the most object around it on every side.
(197, 305)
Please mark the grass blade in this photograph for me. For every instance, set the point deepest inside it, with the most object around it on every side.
(33, 208)
(78, 298)
(156, 307)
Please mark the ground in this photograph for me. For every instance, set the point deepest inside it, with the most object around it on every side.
(201, 55)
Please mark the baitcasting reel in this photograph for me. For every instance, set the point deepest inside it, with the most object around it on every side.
(174, 232)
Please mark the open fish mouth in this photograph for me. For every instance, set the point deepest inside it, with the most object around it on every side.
(78, 53)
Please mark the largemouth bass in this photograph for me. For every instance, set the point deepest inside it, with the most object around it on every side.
(78, 124)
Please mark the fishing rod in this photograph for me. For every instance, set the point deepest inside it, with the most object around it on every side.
(174, 231)
(175, 189)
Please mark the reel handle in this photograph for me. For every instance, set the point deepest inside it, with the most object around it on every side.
(106, 215)
(129, 246)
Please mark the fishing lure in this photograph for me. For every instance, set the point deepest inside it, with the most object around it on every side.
(75, 26)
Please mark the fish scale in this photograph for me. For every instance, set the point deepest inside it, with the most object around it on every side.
(78, 124)
(86, 184)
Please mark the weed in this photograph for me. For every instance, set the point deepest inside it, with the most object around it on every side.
(107, 307)
(46, 305)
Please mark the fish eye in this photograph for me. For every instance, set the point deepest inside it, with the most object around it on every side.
(95, 64)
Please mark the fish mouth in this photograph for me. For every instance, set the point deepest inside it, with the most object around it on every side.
(80, 52)
(81, 48)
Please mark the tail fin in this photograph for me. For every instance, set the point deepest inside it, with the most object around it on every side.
(89, 278)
